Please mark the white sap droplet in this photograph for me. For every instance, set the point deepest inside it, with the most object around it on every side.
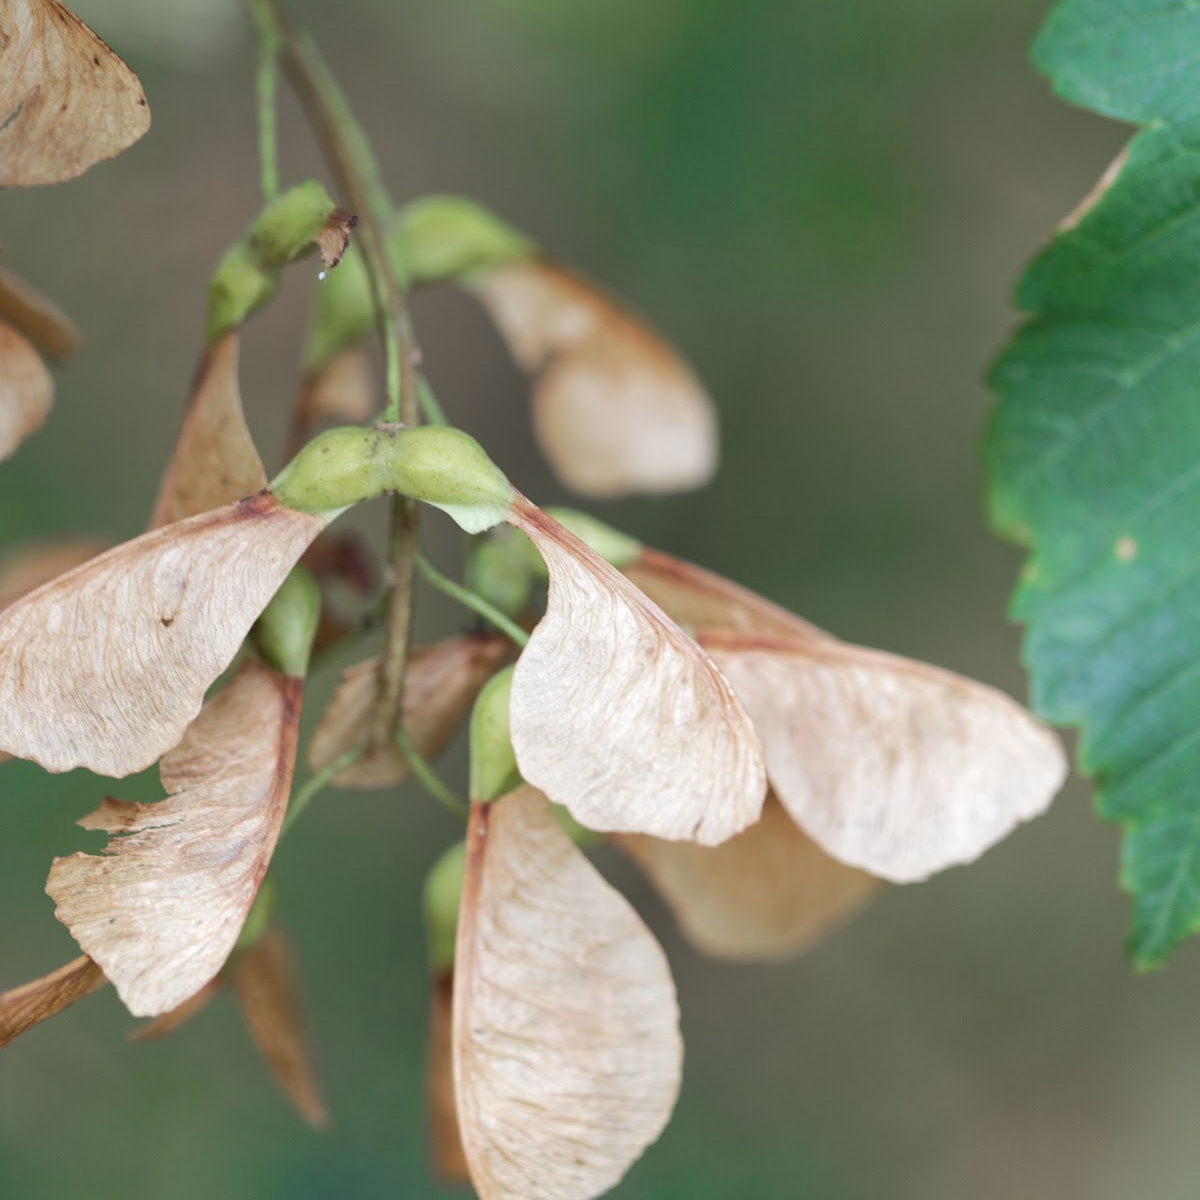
(321, 275)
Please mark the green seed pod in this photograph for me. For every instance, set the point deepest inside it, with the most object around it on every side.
(289, 225)
(444, 238)
(339, 468)
(499, 570)
(344, 312)
(239, 286)
(440, 899)
(284, 633)
(493, 761)
(450, 470)
(443, 467)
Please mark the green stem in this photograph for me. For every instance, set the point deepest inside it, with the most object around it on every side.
(430, 407)
(350, 156)
(403, 551)
(302, 796)
(353, 163)
(266, 79)
(428, 777)
(471, 600)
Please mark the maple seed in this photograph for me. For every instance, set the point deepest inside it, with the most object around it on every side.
(268, 993)
(163, 907)
(66, 100)
(214, 461)
(769, 893)
(440, 685)
(26, 390)
(438, 465)
(106, 666)
(567, 1052)
(615, 409)
(25, 1006)
(37, 317)
(493, 762)
(893, 766)
(618, 715)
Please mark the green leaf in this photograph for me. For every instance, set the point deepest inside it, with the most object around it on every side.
(1093, 454)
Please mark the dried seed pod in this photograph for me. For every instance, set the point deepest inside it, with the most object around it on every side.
(26, 390)
(37, 317)
(106, 666)
(24, 1006)
(214, 461)
(162, 908)
(268, 993)
(66, 100)
(890, 765)
(769, 893)
(619, 716)
(567, 1053)
(440, 685)
(615, 409)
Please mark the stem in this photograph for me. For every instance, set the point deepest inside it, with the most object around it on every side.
(430, 407)
(472, 600)
(428, 777)
(266, 79)
(353, 164)
(302, 796)
(403, 553)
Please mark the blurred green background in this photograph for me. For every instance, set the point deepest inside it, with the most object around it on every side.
(825, 206)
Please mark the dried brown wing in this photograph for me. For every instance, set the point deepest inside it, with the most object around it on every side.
(66, 100)
(162, 908)
(699, 599)
(567, 1053)
(440, 686)
(890, 765)
(24, 1006)
(441, 1110)
(267, 989)
(615, 408)
(214, 461)
(26, 390)
(181, 1014)
(618, 716)
(106, 666)
(769, 893)
(37, 317)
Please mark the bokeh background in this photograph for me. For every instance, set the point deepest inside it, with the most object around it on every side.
(825, 205)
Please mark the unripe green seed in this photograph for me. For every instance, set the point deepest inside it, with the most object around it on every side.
(440, 901)
(288, 225)
(248, 274)
(500, 575)
(238, 287)
(344, 314)
(493, 769)
(441, 466)
(284, 633)
(443, 238)
(450, 470)
(339, 468)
